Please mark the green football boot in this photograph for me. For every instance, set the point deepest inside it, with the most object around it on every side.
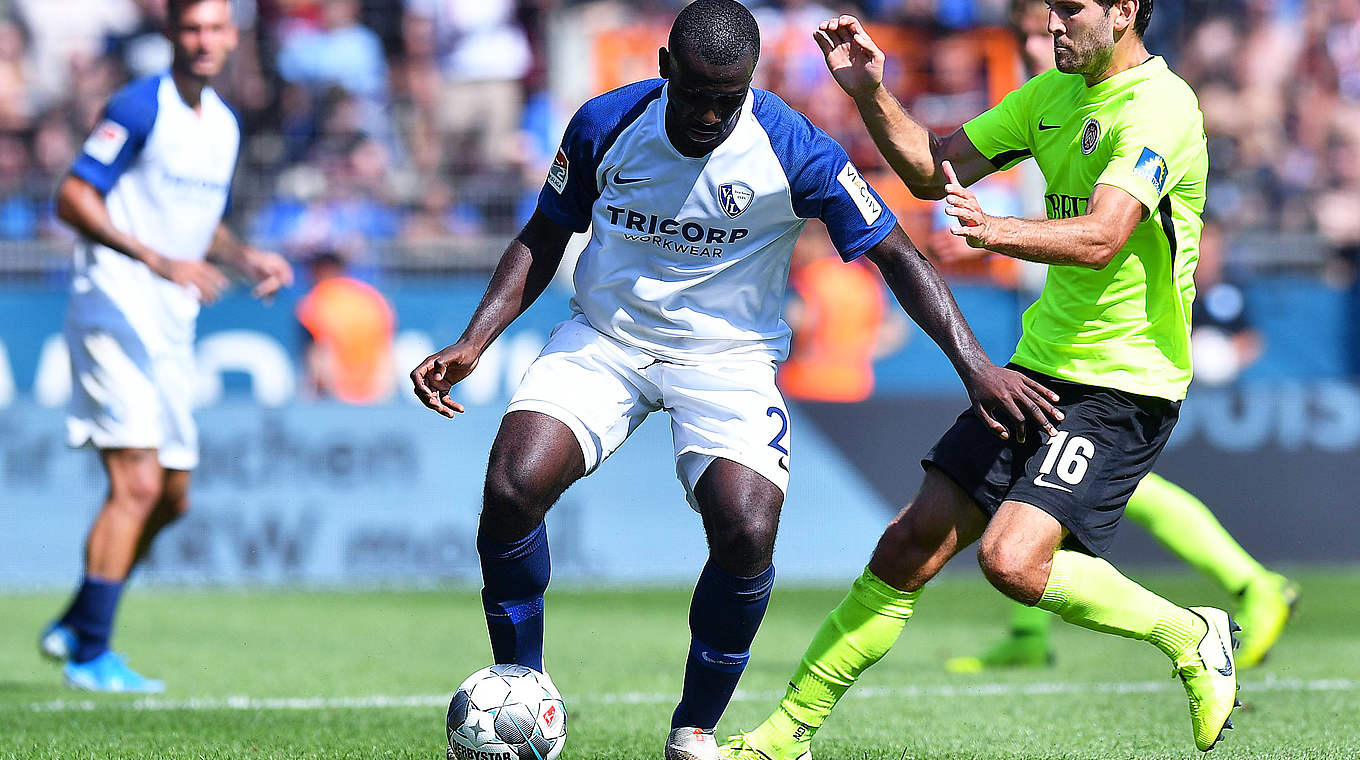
(1014, 651)
(740, 747)
(1267, 604)
(1210, 678)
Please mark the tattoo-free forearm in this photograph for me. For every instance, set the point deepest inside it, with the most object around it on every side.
(929, 302)
(1082, 241)
(911, 149)
(524, 271)
(81, 205)
(226, 248)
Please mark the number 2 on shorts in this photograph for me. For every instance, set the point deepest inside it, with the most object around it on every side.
(775, 444)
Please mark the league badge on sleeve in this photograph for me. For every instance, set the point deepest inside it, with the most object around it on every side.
(557, 174)
(1152, 167)
(106, 142)
(734, 197)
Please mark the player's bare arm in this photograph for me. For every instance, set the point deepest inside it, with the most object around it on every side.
(524, 271)
(1091, 240)
(82, 206)
(928, 300)
(914, 152)
(269, 271)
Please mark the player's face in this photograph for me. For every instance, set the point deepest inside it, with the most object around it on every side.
(204, 36)
(1083, 35)
(703, 100)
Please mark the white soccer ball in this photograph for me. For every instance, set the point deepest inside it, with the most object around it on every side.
(506, 712)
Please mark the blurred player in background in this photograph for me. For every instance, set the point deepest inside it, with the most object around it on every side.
(1120, 140)
(1178, 520)
(147, 196)
(697, 187)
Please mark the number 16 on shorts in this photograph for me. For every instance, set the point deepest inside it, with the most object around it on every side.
(1068, 458)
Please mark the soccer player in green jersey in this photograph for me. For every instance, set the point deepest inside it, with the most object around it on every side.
(1173, 516)
(1120, 141)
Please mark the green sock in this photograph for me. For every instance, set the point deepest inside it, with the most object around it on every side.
(1030, 621)
(856, 634)
(1089, 592)
(1187, 528)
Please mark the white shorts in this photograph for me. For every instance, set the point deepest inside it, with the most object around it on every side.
(602, 389)
(123, 397)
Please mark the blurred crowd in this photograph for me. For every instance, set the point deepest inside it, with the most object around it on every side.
(373, 123)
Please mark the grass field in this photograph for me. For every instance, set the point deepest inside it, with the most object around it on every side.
(367, 675)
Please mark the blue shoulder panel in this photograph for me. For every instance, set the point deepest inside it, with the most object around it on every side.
(570, 192)
(823, 182)
(121, 134)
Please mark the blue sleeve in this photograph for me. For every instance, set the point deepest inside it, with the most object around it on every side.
(571, 190)
(120, 135)
(823, 182)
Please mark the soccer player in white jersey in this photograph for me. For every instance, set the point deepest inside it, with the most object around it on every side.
(147, 196)
(696, 186)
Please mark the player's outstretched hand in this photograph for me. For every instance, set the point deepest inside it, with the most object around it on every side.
(854, 60)
(963, 205)
(999, 392)
(439, 373)
(271, 273)
(207, 279)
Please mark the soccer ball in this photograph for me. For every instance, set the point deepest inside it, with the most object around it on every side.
(506, 712)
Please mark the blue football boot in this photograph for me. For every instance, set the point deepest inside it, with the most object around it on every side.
(109, 673)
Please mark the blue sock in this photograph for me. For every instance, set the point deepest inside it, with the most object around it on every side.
(91, 616)
(723, 619)
(514, 577)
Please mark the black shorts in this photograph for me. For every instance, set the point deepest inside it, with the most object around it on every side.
(1083, 476)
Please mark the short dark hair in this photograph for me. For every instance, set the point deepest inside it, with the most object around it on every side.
(1141, 21)
(176, 8)
(719, 32)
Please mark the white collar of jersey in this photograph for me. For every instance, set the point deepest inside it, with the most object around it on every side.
(746, 107)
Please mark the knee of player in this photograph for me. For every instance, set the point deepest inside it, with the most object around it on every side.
(748, 542)
(514, 489)
(138, 493)
(1011, 569)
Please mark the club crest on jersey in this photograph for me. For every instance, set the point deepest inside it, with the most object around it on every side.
(1090, 136)
(1152, 167)
(734, 197)
(557, 174)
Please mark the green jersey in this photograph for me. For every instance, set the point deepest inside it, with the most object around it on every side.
(1126, 326)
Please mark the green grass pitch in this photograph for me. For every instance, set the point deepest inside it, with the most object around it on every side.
(290, 674)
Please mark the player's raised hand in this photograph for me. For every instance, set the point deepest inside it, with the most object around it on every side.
(271, 273)
(439, 373)
(207, 279)
(854, 60)
(999, 392)
(963, 205)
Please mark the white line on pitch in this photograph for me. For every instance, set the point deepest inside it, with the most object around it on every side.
(161, 704)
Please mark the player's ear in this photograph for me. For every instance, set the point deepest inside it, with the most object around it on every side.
(663, 63)
(1126, 13)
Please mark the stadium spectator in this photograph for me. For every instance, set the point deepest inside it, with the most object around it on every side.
(343, 53)
(348, 325)
(841, 323)
(466, 59)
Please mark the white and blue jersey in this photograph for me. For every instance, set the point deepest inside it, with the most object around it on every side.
(689, 257)
(165, 171)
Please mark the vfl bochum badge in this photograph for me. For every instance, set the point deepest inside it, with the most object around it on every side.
(734, 197)
(1090, 136)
